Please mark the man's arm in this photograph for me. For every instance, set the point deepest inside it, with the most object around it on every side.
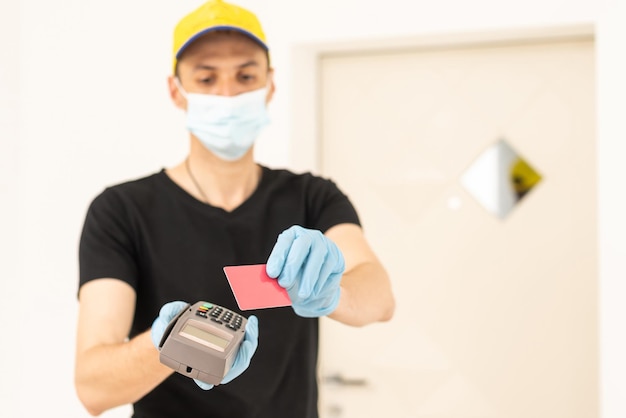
(366, 294)
(111, 370)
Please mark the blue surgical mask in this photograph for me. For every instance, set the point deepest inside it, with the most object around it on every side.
(226, 125)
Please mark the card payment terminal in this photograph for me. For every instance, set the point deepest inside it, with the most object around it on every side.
(202, 341)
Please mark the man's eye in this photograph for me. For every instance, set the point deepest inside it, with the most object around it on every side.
(247, 77)
(207, 80)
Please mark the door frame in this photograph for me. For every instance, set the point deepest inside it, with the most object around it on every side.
(305, 143)
(305, 155)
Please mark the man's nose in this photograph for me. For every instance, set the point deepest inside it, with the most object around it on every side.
(226, 88)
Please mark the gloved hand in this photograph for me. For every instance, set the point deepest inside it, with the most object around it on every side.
(310, 267)
(244, 354)
(166, 314)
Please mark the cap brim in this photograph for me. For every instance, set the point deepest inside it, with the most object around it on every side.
(216, 28)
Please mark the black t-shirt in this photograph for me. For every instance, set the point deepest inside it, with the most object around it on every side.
(169, 246)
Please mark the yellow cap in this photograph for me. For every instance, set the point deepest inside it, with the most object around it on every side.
(216, 15)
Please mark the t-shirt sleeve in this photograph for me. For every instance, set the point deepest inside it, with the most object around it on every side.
(107, 248)
(329, 206)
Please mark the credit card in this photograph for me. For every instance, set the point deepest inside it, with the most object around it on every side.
(254, 289)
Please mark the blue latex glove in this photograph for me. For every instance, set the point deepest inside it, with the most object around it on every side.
(166, 314)
(244, 354)
(310, 267)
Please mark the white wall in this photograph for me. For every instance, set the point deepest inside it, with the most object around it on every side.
(612, 206)
(94, 111)
(9, 152)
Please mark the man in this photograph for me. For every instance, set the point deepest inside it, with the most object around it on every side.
(151, 245)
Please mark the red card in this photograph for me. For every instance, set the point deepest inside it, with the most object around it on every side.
(254, 289)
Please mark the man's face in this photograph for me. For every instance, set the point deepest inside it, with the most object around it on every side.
(225, 64)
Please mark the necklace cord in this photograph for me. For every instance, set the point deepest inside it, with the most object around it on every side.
(195, 182)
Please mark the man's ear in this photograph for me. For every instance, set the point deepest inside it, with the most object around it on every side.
(271, 87)
(175, 93)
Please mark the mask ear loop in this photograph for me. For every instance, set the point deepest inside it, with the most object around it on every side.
(180, 87)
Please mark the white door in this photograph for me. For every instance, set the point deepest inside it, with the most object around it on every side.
(496, 315)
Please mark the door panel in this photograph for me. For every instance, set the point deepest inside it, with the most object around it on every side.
(495, 317)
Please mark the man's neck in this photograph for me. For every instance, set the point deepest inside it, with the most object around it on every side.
(223, 184)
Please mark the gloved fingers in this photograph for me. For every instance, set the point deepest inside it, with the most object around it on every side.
(310, 267)
(333, 268)
(203, 385)
(333, 285)
(325, 282)
(241, 363)
(325, 300)
(171, 309)
(324, 262)
(244, 354)
(246, 350)
(166, 314)
(339, 262)
(252, 329)
(250, 342)
(157, 330)
(326, 303)
(313, 273)
(278, 256)
(301, 255)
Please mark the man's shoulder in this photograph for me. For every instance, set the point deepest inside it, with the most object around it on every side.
(134, 189)
(286, 176)
(138, 183)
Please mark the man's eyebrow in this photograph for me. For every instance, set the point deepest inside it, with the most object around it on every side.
(251, 63)
(204, 67)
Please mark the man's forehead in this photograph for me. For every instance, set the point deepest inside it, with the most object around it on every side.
(203, 66)
(208, 52)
